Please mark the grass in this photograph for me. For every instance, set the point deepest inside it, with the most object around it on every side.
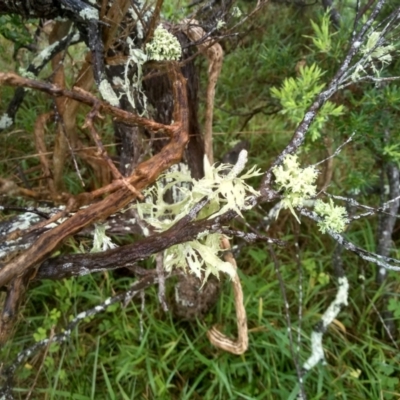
(108, 357)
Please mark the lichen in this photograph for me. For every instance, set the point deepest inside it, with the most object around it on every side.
(134, 84)
(334, 217)
(220, 24)
(225, 191)
(236, 12)
(44, 55)
(5, 121)
(89, 13)
(164, 46)
(101, 242)
(296, 183)
(108, 93)
(26, 74)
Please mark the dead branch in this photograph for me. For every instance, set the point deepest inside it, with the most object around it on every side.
(42, 150)
(214, 54)
(216, 337)
(146, 173)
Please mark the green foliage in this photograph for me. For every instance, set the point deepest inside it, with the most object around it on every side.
(296, 95)
(322, 38)
(43, 331)
(386, 376)
(316, 275)
(13, 29)
(108, 357)
(174, 10)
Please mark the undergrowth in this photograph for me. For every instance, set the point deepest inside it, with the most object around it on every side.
(134, 353)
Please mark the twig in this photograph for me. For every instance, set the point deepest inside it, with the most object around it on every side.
(389, 263)
(146, 173)
(214, 54)
(28, 396)
(161, 280)
(337, 151)
(103, 152)
(288, 321)
(217, 338)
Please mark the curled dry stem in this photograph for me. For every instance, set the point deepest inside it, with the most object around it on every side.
(217, 338)
(215, 55)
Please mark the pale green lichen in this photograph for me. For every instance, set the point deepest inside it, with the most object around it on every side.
(198, 256)
(44, 55)
(26, 74)
(220, 24)
(236, 12)
(225, 191)
(334, 217)
(108, 94)
(5, 121)
(101, 242)
(133, 85)
(296, 183)
(374, 51)
(164, 46)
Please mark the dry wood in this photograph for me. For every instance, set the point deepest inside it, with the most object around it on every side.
(217, 338)
(146, 173)
(41, 149)
(214, 54)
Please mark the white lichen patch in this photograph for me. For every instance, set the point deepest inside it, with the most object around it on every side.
(89, 13)
(133, 85)
(108, 94)
(117, 81)
(145, 12)
(341, 299)
(10, 248)
(164, 46)
(317, 354)
(67, 266)
(44, 55)
(5, 121)
(76, 37)
(220, 24)
(23, 221)
(376, 54)
(240, 165)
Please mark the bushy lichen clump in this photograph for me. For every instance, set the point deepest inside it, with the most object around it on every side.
(376, 54)
(164, 46)
(296, 183)
(334, 217)
(224, 189)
